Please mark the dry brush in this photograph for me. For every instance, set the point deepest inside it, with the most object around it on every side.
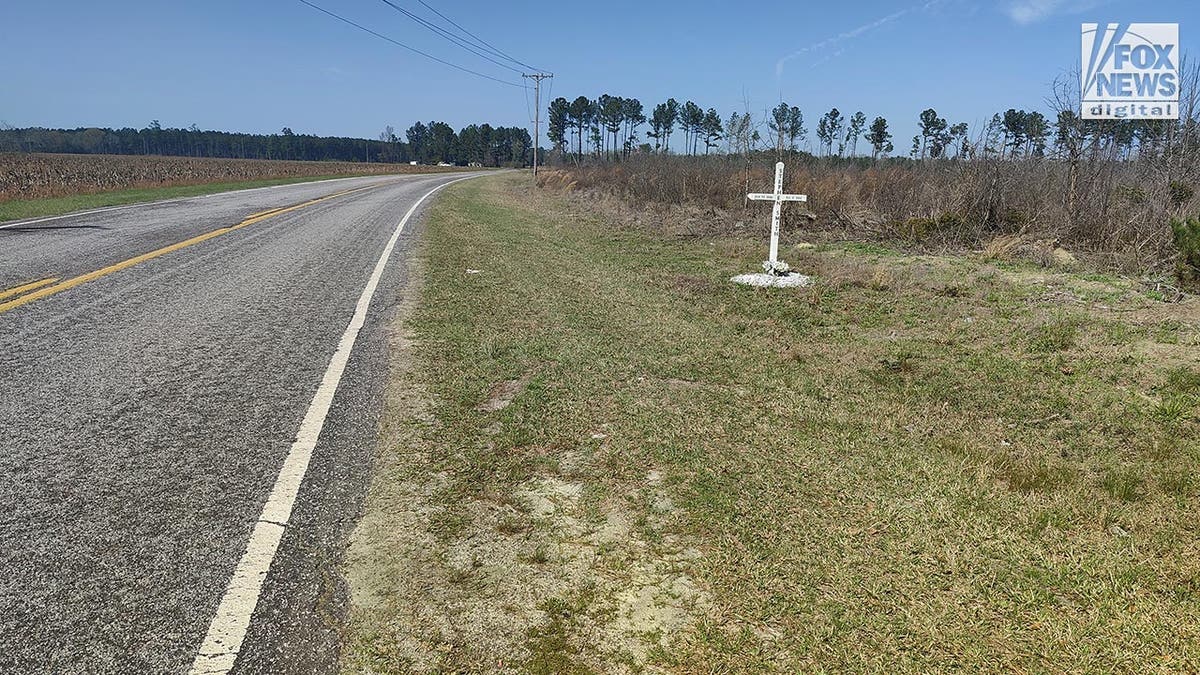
(1117, 214)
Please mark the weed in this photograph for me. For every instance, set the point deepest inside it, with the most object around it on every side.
(549, 644)
(511, 524)
(1174, 409)
(1176, 481)
(1183, 381)
(900, 361)
(860, 248)
(1166, 332)
(539, 556)
(1054, 336)
(1031, 473)
(1124, 483)
(882, 279)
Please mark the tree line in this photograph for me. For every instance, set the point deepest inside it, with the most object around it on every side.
(607, 128)
(426, 143)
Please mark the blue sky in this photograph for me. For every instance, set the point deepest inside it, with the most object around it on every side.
(261, 65)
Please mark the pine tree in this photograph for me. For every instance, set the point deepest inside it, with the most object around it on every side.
(933, 130)
(691, 118)
(858, 122)
(581, 119)
(560, 111)
(829, 129)
(879, 137)
(713, 131)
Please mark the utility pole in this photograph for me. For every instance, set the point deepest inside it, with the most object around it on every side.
(537, 114)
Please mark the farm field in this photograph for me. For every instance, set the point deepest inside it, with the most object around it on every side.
(598, 455)
(33, 185)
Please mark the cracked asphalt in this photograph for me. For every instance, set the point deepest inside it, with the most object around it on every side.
(145, 415)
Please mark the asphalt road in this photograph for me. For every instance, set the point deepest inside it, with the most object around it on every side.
(145, 416)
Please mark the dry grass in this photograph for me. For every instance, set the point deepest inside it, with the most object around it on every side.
(1003, 247)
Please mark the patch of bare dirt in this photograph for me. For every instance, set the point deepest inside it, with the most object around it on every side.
(425, 601)
(422, 601)
(639, 594)
(502, 394)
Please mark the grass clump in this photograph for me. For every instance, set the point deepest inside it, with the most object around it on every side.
(1054, 336)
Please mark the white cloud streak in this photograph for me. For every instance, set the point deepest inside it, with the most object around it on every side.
(1025, 12)
(1029, 11)
(825, 44)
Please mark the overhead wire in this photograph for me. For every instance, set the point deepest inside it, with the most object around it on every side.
(438, 30)
(478, 40)
(528, 110)
(476, 43)
(411, 49)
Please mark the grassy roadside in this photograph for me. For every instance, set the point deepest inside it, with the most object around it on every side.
(599, 455)
(19, 209)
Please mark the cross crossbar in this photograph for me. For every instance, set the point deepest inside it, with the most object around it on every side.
(770, 197)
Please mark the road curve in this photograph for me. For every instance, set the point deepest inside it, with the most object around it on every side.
(146, 412)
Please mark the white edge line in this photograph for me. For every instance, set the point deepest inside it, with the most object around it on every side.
(221, 645)
(20, 223)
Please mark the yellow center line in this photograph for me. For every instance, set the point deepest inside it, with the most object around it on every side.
(47, 291)
(25, 288)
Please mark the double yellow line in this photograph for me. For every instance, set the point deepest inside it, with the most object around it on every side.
(36, 290)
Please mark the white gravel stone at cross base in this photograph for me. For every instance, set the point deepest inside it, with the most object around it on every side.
(791, 280)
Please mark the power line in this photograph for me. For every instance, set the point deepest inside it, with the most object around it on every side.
(411, 49)
(438, 30)
(528, 111)
(477, 39)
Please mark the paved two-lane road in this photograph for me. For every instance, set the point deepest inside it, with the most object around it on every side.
(145, 415)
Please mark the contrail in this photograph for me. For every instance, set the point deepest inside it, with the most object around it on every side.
(850, 34)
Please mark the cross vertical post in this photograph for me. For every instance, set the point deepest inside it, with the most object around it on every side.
(778, 197)
(776, 212)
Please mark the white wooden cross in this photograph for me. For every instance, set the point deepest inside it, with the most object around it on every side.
(779, 198)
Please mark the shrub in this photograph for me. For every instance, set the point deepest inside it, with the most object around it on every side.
(1180, 193)
(1187, 241)
(917, 228)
